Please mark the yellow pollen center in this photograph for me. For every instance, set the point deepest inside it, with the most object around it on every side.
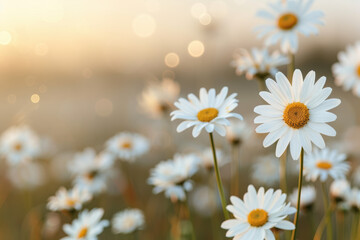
(70, 202)
(82, 232)
(358, 70)
(126, 145)
(324, 165)
(287, 21)
(91, 175)
(296, 115)
(18, 146)
(257, 217)
(207, 114)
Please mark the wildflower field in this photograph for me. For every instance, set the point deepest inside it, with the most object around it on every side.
(180, 120)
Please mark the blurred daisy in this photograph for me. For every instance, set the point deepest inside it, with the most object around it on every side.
(157, 99)
(323, 163)
(19, 144)
(173, 176)
(258, 63)
(207, 161)
(347, 70)
(339, 189)
(87, 226)
(203, 201)
(28, 175)
(353, 199)
(238, 131)
(307, 198)
(127, 146)
(92, 171)
(286, 20)
(209, 112)
(297, 114)
(128, 221)
(68, 200)
(258, 214)
(266, 170)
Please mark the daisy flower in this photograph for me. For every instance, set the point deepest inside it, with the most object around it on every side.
(266, 170)
(297, 114)
(347, 70)
(258, 63)
(68, 200)
(157, 99)
(28, 175)
(173, 176)
(258, 214)
(238, 131)
(87, 226)
(286, 20)
(128, 221)
(128, 146)
(339, 189)
(92, 171)
(206, 157)
(323, 163)
(307, 198)
(353, 199)
(210, 111)
(19, 144)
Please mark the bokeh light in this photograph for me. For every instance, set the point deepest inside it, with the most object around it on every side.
(144, 25)
(205, 19)
(172, 60)
(35, 98)
(196, 48)
(5, 37)
(197, 10)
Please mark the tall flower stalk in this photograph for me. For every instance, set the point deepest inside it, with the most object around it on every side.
(327, 212)
(296, 219)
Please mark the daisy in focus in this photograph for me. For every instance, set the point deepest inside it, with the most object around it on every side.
(92, 171)
(68, 200)
(157, 99)
(297, 114)
(128, 146)
(210, 111)
(257, 214)
(87, 226)
(347, 70)
(286, 20)
(324, 163)
(128, 221)
(258, 63)
(266, 170)
(173, 176)
(19, 144)
(307, 199)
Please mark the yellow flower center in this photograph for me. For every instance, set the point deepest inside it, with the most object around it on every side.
(324, 165)
(287, 21)
(257, 217)
(358, 70)
(18, 147)
(207, 114)
(126, 144)
(296, 115)
(82, 233)
(91, 175)
(70, 202)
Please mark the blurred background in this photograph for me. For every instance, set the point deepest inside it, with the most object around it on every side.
(74, 71)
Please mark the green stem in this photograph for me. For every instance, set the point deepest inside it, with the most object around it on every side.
(291, 66)
(296, 219)
(354, 227)
(191, 220)
(340, 216)
(320, 229)
(218, 179)
(327, 212)
(234, 188)
(283, 181)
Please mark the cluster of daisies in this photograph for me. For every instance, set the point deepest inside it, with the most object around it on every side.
(295, 117)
